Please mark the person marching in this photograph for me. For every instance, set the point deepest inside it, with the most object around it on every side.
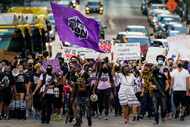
(80, 97)
(46, 82)
(126, 93)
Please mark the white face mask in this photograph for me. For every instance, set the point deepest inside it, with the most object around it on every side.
(160, 62)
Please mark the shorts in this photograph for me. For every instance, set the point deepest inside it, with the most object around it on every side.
(5, 95)
(20, 89)
(58, 103)
(82, 100)
(180, 97)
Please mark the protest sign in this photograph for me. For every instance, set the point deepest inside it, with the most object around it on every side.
(87, 53)
(105, 46)
(69, 52)
(127, 51)
(153, 52)
(179, 45)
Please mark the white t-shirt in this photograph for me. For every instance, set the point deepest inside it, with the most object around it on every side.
(180, 79)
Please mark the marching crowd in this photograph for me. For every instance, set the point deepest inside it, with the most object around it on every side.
(94, 89)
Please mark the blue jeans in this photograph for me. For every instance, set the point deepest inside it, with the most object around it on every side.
(83, 107)
(147, 104)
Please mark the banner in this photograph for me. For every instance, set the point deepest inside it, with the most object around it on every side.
(153, 52)
(68, 52)
(127, 51)
(105, 46)
(84, 53)
(87, 53)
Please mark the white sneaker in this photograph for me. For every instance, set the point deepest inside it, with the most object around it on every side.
(106, 118)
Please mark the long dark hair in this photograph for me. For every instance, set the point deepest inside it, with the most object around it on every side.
(100, 71)
(123, 69)
(168, 73)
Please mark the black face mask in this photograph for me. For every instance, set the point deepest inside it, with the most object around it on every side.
(170, 64)
(104, 70)
(180, 65)
(49, 71)
(7, 72)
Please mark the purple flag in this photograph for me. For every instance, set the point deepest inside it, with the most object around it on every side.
(75, 28)
(54, 63)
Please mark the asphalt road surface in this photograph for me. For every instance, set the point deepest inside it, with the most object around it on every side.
(112, 122)
(120, 13)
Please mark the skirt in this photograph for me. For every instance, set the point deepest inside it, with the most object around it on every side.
(127, 96)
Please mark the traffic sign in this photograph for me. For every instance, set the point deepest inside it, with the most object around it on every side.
(171, 5)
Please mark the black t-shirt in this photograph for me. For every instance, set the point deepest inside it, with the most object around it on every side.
(64, 68)
(20, 80)
(160, 82)
(72, 77)
(86, 77)
(6, 80)
(29, 76)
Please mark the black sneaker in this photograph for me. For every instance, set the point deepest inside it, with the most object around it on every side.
(182, 118)
(134, 118)
(156, 123)
(47, 122)
(1, 117)
(5, 117)
(71, 119)
(77, 124)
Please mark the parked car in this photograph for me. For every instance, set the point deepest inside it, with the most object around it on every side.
(158, 6)
(161, 17)
(175, 28)
(94, 6)
(165, 21)
(153, 7)
(136, 28)
(68, 3)
(154, 13)
(162, 43)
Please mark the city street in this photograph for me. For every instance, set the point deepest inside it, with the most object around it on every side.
(117, 15)
(120, 13)
(112, 122)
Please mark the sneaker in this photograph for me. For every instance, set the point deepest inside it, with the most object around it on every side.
(47, 122)
(100, 117)
(1, 116)
(182, 118)
(77, 124)
(5, 117)
(106, 118)
(156, 123)
(134, 118)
